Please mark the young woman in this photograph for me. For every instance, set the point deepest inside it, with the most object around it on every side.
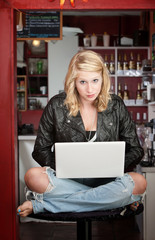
(86, 111)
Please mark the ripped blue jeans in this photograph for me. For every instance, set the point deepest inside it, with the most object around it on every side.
(65, 195)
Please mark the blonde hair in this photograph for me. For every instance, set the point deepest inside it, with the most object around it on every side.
(89, 61)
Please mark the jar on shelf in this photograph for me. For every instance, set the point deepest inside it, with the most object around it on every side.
(93, 40)
(106, 39)
(31, 68)
(86, 41)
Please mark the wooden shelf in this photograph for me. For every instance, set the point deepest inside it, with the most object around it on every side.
(37, 75)
(113, 48)
(37, 95)
(37, 55)
(21, 91)
(137, 105)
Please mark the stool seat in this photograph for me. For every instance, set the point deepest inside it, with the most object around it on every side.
(93, 216)
(84, 219)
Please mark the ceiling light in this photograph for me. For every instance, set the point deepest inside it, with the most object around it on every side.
(36, 43)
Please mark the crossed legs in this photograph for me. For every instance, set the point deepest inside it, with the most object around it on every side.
(37, 181)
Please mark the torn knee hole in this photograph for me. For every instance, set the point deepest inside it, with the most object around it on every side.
(49, 187)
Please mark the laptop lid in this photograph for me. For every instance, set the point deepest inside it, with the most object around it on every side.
(89, 159)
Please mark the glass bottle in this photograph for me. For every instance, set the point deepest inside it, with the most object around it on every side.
(31, 68)
(126, 92)
(131, 62)
(138, 119)
(119, 65)
(138, 92)
(125, 63)
(119, 93)
(112, 88)
(106, 63)
(112, 65)
(144, 118)
(139, 63)
(39, 67)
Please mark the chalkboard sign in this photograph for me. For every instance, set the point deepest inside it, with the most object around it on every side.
(41, 25)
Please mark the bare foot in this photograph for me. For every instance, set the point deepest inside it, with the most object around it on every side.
(134, 206)
(25, 209)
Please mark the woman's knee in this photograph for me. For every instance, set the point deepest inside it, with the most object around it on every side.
(32, 174)
(36, 179)
(140, 183)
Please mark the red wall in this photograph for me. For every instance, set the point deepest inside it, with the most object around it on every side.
(101, 24)
(8, 121)
(31, 117)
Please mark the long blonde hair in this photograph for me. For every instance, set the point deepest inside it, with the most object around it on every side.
(89, 61)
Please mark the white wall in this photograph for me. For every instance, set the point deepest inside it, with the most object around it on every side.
(59, 56)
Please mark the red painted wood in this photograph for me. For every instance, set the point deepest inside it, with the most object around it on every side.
(8, 132)
(80, 5)
(101, 24)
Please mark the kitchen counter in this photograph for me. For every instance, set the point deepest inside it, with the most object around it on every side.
(148, 169)
(24, 135)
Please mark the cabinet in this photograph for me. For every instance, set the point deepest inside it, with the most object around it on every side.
(22, 93)
(37, 75)
(131, 78)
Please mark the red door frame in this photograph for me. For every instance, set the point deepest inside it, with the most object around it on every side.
(8, 126)
(8, 120)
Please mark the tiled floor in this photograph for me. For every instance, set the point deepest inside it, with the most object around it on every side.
(114, 230)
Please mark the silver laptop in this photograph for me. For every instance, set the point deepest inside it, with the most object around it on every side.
(89, 160)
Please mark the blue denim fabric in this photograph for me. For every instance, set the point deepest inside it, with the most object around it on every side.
(69, 196)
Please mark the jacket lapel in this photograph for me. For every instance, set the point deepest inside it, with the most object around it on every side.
(77, 123)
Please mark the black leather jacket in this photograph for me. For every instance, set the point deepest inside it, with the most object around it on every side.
(57, 126)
